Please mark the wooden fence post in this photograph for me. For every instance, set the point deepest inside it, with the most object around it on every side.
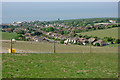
(90, 47)
(54, 46)
(11, 45)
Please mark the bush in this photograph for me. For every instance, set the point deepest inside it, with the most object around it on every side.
(79, 44)
(3, 30)
(57, 39)
(118, 41)
(97, 44)
(109, 39)
(62, 42)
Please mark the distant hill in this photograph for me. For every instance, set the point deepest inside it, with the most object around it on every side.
(112, 32)
(77, 22)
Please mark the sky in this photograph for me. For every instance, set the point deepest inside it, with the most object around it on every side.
(60, 0)
(28, 11)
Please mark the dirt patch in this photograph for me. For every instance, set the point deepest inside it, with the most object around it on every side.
(5, 50)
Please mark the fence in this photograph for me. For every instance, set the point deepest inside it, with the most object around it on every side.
(46, 47)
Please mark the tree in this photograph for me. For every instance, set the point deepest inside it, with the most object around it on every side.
(66, 32)
(50, 29)
(73, 35)
(109, 39)
(20, 37)
(37, 33)
(80, 35)
(61, 32)
(21, 32)
(110, 26)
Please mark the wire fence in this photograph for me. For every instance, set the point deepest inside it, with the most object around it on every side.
(46, 47)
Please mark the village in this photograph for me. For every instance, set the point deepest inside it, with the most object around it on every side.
(62, 33)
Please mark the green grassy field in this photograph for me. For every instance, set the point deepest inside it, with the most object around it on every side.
(60, 65)
(113, 32)
(0, 66)
(41, 47)
(8, 36)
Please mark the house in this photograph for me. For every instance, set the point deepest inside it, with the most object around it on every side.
(88, 27)
(39, 39)
(82, 41)
(61, 37)
(7, 30)
(66, 42)
(112, 21)
(15, 31)
(91, 40)
(27, 34)
(49, 33)
(70, 40)
(54, 34)
(32, 38)
(73, 40)
(57, 36)
(101, 42)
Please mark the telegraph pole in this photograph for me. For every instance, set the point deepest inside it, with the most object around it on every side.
(90, 47)
(11, 45)
(54, 46)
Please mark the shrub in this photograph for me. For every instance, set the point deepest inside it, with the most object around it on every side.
(62, 42)
(97, 44)
(79, 44)
(118, 41)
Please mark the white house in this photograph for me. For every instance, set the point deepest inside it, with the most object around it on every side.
(112, 21)
(70, 40)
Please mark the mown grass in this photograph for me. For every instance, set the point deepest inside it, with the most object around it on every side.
(0, 66)
(8, 36)
(112, 32)
(72, 65)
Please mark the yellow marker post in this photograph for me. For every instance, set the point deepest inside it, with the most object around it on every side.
(114, 42)
(13, 50)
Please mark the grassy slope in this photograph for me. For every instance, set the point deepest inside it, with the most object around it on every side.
(113, 32)
(60, 65)
(8, 36)
(0, 66)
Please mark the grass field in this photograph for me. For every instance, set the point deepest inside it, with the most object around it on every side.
(8, 36)
(60, 65)
(41, 47)
(113, 32)
(0, 66)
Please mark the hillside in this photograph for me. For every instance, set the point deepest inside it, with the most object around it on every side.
(60, 65)
(112, 32)
(44, 47)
